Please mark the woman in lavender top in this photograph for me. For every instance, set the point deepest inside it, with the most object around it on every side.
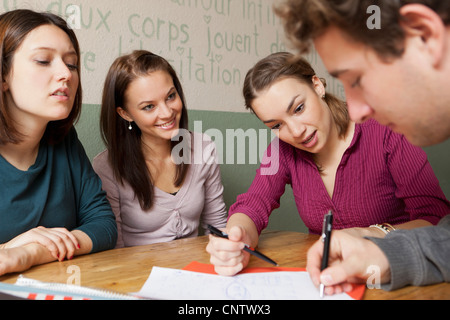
(162, 181)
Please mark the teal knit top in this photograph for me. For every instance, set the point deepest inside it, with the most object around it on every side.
(60, 190)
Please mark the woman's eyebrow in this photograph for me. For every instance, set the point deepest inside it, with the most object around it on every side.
(288, 108)
(291, 103)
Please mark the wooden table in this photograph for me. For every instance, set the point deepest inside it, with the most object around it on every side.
(126, 270)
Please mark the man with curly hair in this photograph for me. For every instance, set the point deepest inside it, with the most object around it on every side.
(396, 73)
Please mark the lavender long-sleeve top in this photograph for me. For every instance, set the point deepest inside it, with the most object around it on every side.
(381, 179)
(198, 202)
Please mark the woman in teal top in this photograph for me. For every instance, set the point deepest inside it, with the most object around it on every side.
(51, 203)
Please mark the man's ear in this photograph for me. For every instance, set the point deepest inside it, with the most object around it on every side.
(418, 20)
(124, 114)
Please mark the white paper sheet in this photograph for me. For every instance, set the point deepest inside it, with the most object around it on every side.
(174, 284)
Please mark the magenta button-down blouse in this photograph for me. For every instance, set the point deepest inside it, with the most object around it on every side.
(381, 178)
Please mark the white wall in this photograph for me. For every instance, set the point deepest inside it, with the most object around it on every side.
(211, 43)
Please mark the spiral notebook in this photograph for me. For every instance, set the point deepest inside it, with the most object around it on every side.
(31, 289)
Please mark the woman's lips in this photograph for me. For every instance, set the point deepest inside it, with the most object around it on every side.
(311, 140)
(167, 125)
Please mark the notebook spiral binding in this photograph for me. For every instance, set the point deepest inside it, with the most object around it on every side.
(27, 288)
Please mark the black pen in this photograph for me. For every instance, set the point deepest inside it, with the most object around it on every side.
(326, 238)
(247, 248)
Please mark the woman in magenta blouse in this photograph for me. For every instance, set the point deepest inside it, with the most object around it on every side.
(370, 177)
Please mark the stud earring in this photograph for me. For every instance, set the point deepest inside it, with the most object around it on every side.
(129, 126)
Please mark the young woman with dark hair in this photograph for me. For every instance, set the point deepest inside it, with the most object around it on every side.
(157, 188)
(51, 203)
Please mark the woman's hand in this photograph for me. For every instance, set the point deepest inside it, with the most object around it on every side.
(60, 242)
(227, 255)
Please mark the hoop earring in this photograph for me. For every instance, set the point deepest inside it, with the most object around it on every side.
(129, 126)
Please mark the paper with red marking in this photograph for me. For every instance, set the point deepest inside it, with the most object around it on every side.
(198, 281)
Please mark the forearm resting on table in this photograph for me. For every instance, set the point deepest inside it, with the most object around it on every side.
(413, 224)
(378, 233)
(418, 223)
(84, 241)
(24, 257)
(44, 256)
(21, 258)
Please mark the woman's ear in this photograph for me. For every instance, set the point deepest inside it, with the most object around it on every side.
(318, 86)
(122, 112)
(5, 85)
(420, 21)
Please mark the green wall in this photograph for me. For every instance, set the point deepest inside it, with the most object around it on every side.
(236, 177)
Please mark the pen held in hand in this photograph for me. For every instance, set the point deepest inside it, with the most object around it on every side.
(326, 238)
(247, 248)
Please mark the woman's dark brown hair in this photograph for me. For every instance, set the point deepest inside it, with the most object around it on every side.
(14, 27)
(124, 145)
(285, 65)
